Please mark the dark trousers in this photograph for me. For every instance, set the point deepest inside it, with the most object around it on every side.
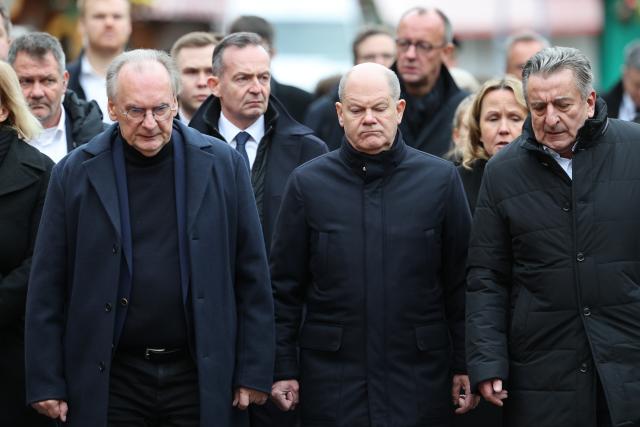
(602, 410)
(143, 393)
(268, 415)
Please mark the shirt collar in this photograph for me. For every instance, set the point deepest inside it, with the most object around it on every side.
(229, 131)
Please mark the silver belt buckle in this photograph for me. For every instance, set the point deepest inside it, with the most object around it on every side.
(149, 351)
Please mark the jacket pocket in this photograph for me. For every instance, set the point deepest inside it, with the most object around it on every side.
(321, 337)
(520, 314)
(432, 248)
(433, 337)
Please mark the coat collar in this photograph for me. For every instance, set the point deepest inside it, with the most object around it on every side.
(371, 167)
(588, 135)
(277, 118)
(22, 166)
(100, 170)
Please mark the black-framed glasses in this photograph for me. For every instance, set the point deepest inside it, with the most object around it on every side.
(160, 113)
(420, 45)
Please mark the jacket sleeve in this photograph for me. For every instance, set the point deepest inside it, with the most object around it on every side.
(455, 240)
(46, 296)
(13, 286)
(255, 340)
(290, 276)
(488, 287)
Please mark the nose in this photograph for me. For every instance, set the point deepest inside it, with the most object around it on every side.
(149, 121)
(369, 117)
(202, 79)
(411, 51)
(255, 85)
(551, 116)
(36, 90)
(504, 127)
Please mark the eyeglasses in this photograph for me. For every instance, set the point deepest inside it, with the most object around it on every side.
(159, 113)
(421, 46)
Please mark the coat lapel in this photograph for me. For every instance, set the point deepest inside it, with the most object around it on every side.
(101, 175)
(20, 169)
(199, 165)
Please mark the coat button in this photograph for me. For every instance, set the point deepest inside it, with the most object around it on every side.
(584, 368)
(114, 249)
(586, 311)
(107, 307)
(580, 257)
(101, 366)
(124, 302)
(566, 207)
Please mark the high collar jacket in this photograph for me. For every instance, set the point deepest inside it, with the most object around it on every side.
(553, 297)
(373, 248)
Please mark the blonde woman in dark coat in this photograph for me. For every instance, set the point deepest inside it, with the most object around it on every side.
(24, 175)
(494, 120)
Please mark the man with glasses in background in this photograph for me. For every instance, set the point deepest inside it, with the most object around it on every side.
(150, 288)
(424, 37)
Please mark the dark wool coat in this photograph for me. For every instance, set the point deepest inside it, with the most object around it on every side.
(471, 180)
(24, 175)
(553, 297)
(434, 134)
(76, 269)
(291, 144)
(372, 246)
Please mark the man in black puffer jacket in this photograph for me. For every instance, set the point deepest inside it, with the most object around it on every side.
(68, 121)
(553, 297)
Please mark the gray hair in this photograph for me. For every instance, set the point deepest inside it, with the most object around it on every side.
(526, 36)
(140, 56)
(448, 28)
(392, 79)
(6, 19)
(632, 55)
(37, 45)
(238, 40)
(557, 58)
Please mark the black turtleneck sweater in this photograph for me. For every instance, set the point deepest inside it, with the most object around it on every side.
(155, 317)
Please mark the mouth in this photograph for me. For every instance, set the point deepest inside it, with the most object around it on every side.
(201, 98)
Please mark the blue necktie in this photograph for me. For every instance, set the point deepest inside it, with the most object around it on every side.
(241, 142)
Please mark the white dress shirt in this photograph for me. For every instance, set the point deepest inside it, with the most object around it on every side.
(53, 141)
(564, 163)
(627, 108)
(229, 131)
(95, 87)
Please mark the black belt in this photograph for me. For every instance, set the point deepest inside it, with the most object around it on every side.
(158, 355)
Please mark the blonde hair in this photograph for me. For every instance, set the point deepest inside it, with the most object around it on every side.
(11, 98)
(473, 149)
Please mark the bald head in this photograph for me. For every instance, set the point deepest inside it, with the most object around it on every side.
(370, 70)
(370, 109)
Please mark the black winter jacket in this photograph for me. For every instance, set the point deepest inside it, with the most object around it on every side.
(553, 297)
(83, 120)
(371, 246)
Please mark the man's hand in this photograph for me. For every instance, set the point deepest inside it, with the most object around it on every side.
(52, 408)
(285, 394)
(492, 391)
(461, 395)
(243, 397)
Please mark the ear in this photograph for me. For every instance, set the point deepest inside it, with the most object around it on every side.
(447, 53)
(400, 106)
(111, 107)
(340, 113)
(65, 79)
(213, 82)
(591, 104)
(4, 113)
